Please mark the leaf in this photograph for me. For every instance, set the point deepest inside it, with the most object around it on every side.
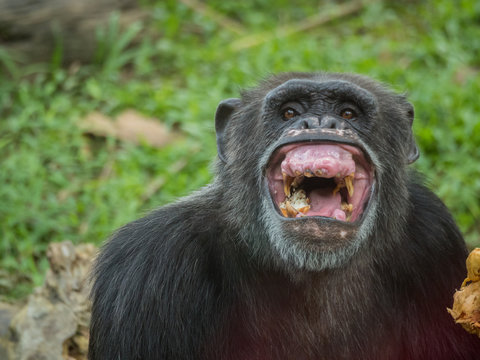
(129, 126)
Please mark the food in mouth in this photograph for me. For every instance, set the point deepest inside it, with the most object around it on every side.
(295, 204)
(327, 179)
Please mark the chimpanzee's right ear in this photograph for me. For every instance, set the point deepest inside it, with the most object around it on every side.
(412, 149)
(223, 115)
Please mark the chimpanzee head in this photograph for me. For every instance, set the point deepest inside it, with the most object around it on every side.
(308, 165)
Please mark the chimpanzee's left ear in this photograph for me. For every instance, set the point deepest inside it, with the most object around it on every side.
(413, 153)
(224, 113)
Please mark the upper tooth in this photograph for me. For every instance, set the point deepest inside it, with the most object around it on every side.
(287, 182)
(349, 184)
(308, 173)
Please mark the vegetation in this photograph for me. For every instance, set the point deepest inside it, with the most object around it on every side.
(58, 184)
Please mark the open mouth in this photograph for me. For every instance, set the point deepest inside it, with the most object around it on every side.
(330, 180)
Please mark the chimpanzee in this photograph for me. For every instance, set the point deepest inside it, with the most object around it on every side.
(314, 241)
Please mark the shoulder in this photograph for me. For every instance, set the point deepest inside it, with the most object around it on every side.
(180, 225)
(429, 214)
(151, 272)
(169, 239)
(156, 256)
(433, 238)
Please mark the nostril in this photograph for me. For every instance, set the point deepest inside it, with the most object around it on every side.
(307, 123)
(329, 122)
(312, 122)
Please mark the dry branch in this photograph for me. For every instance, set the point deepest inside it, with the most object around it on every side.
(220, 19)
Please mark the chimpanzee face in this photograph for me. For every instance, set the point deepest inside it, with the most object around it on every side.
(322, 166)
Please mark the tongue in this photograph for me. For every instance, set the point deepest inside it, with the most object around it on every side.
(323, 203)
(325, 161)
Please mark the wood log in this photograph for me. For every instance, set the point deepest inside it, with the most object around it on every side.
(31, 29)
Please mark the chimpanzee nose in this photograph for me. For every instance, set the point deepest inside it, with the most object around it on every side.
(326, 122)
(330, 122)
(309, 123)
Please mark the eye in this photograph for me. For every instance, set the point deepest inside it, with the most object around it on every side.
(289, 113)
(348, 114)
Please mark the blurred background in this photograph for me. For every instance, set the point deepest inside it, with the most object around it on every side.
(106, 106)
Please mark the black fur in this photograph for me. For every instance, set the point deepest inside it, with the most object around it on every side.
(201, 278)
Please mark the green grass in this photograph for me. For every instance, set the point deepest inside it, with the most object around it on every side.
(57, 184)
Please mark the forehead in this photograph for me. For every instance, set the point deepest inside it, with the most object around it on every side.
(318, 89)
(320, 77)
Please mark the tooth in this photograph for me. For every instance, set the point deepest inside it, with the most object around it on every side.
(298, 173)
(291, 211)
(297, 181)
(319, 172)
(347, 207)
(340, 185)
(309, 173)
(286, 189)
(349, 184)
(304, 209)
(287, 182)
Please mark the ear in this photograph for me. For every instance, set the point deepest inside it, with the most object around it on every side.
(223, 115)
(412, 148)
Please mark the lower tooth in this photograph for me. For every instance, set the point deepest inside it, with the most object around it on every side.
(339, 186)
(347, 207)
(291, 211)
(296, 182)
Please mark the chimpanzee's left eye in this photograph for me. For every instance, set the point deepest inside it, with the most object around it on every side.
(348, 114)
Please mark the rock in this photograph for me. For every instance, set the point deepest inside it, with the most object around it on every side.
(7, 312)
(42, 327)
(54, 322)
